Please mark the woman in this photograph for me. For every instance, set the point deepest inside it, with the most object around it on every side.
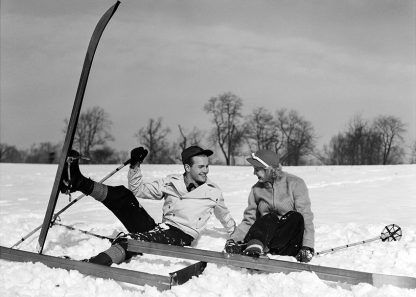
(278, 218)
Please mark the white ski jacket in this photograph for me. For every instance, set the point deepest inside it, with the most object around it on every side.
(188, 211)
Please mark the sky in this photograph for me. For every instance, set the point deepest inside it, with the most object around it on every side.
(328, 60)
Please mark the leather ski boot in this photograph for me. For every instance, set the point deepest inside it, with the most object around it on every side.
(72, 178)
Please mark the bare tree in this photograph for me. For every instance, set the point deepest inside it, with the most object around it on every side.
(362, 143)
(260, 130)
(104, 155)
(365, 144)
(337, 151)
(413, 153)
(225, 111)
(390, 130)
(10, 154)
(44, 152)
(298, 137)
(186, 139)
(93, 130)
(154, 137)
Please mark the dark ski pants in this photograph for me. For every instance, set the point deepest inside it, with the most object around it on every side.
(124, 205)
(140, 225)
(282, 236)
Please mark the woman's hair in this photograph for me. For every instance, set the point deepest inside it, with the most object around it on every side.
(276, 172)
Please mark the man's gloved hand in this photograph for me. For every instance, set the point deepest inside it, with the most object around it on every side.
(232, 247)
(137, 155)
(305, 254)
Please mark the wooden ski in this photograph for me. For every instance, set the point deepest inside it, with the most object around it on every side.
(162, 282)
(338, 275)
(352, 277)
(95, 38)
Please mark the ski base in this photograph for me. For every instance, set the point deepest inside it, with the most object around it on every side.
(161, 282)
(331, 274)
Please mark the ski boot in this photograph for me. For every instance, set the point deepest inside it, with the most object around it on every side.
(72, 178)
(254, 249)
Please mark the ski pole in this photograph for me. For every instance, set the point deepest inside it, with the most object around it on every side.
(84, 231)
(390, 232)
(71, 203)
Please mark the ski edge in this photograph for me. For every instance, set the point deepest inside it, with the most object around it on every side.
(331, 274)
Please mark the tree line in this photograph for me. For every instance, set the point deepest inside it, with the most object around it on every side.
(235, 135)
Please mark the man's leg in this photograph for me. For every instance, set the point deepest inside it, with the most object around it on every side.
(166, 234)
(122, 203)
(118, 200)
(288, 236)
(118, 253)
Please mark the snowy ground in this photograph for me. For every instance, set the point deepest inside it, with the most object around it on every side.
(350, 204)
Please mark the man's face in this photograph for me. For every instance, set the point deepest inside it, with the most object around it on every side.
(262, 174)
(199, 170)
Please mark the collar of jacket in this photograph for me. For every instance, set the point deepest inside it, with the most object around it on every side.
(178, 181)
(189, 185)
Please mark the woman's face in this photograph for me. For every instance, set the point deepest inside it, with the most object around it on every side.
(262, 174)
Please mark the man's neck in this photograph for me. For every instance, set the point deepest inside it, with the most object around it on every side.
(189, 181)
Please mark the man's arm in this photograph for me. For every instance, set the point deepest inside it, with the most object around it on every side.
(145, 190)
(223, 214)
(152, 190)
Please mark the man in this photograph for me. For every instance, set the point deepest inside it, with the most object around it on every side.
(278, 218)
(190, 199)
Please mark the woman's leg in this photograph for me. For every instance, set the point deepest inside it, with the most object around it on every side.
(260, 234)
(288, 236)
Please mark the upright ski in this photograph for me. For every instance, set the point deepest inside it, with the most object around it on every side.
(95, 38)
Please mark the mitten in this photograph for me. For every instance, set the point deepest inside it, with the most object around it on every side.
(137, 155)
(233, 247)
(305, 254)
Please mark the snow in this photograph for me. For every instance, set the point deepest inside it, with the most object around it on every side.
(350, 203)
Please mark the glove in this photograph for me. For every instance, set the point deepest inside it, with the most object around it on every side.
(305, 254)
(137, 155)
(232, 247)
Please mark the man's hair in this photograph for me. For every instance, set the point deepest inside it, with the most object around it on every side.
(189, 161)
